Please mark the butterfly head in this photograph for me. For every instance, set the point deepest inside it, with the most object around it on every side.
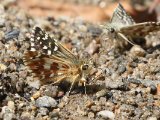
(85, 70)
(110, 31)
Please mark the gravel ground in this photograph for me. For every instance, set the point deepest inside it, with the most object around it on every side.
(125, 83)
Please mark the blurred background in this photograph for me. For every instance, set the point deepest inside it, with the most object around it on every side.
(94, 11)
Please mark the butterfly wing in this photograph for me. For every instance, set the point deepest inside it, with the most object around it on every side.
(121, 18)
(47, 58)
(140, 30)
(41, 41)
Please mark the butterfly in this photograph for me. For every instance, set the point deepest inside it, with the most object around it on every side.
(123, 27)
(50, 61)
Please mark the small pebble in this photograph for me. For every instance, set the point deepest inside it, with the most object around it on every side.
(34, 84)
(25, 116)
(2, 22)
(158, 89)
(2, 34)
(121, 68)
(91, 115)
(49, 90)
(12, 66)
(23, 74)
(137, 51)
(153, 89)
(36, 95)
(92, 47)
(152, 118)
(95, 108)
(101, 93)
(89, 103)
(55, 113)
(106, 114)
(7, 113)
(46, 101)
(12, 34)
(43, 111)
(11, 105)
(2, 67)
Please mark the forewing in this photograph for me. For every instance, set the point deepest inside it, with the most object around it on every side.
(40, 40)
(121, 18)
(47, 58)
(140, 30)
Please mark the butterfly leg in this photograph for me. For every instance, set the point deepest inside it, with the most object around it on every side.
(85, 89)
(72, 84)
(125, 38)
(59, 79)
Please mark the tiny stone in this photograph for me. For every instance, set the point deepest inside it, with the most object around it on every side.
(12, 34)
(54, 114)
(11, 105)
(12, 66)
(23, 74)
(1, 35)
(49, 90)
(91, 115)
(121, 69)
(158, 89)
(46, 101)
(25, 116)
(36, 95)
(2, 22)
(34, 84)
(152, 118)
(7, 113)
(92, 47)
(137, 51)
(101, 93)
(153, 89)
(2, 67)
(95, 108)
(106, 114)
(43, 111)
(89, 103)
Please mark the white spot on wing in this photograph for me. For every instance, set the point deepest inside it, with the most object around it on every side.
(32, 44)
(45, 47)
(59, 73)
(33, 49)
(46, 36)
(51, 75)
(49, 52)
(38, 38)
(32, 39)
(43, 38)
(55, 48)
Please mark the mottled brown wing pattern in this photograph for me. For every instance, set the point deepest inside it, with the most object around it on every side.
(140, 29)
(47, 58)
(44, 67)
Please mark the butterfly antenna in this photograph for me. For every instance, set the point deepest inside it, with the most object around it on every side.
(126, 39)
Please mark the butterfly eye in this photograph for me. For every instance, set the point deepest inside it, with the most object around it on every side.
(112, 30)
(85, 67)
